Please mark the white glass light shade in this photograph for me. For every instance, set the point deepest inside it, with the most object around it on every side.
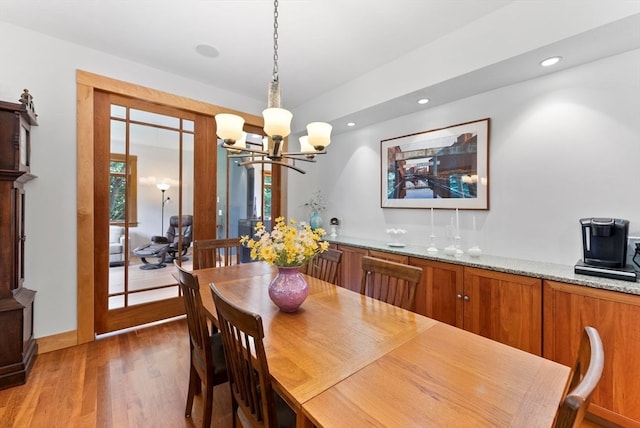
(319, 134)
(163, 186)
(277, 121)
(239, 144)
(242, 142)
(305, 147)
(229, 126)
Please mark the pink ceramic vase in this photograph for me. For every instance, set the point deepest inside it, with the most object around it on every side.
(288, 289)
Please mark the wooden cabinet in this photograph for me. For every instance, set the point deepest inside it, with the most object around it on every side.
(616, 316)
(437, 291)
(17, 345)
(503, 307)
(350, 275)
(398, 258)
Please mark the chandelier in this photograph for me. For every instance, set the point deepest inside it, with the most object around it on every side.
(277, 126)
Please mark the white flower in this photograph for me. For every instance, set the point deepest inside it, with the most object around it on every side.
(317, 202)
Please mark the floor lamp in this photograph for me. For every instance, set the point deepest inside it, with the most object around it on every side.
(163, 188)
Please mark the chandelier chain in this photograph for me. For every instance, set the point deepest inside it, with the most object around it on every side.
(275, 40)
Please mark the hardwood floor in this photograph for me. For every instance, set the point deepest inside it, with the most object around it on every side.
(134, 379)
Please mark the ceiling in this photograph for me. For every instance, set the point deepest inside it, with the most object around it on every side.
(327, 42)
(323, 44)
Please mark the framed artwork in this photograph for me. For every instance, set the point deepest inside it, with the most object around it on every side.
(442, 168)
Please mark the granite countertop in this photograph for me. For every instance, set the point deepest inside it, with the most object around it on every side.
(550, 271)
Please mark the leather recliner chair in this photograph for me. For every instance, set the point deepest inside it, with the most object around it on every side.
(165, 249)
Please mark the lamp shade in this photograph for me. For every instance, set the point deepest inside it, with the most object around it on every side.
(277, 121)
(163, 186)
(305, 147)
(319, 134)
(239, 144)
(229, 126)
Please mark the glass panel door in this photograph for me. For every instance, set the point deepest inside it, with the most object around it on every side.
(151, 180)
(248, 199)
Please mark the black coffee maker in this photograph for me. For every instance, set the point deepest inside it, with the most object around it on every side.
(604, 246)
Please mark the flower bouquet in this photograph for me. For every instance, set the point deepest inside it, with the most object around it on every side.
(317, 202)
(288, 247)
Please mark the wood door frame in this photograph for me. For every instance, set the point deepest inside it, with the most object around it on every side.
(204, 176)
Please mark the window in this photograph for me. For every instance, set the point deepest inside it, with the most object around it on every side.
(267, 195)
(118, 180)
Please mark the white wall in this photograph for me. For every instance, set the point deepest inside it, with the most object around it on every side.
(572, 136)
(562, 147)
(47, 67)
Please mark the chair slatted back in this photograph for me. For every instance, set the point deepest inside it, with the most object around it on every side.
(583, 379)
(248, 371)
(325, 265)
(207, 365)
(391, 282)
(217, 252)
(196, 318)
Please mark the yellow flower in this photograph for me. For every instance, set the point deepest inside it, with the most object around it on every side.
(286, 245)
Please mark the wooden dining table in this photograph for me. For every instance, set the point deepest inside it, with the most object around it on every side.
(344, 359)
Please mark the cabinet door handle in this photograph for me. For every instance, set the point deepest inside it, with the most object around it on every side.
(466, 297)
(458, 296)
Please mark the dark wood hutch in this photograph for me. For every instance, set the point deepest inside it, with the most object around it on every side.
(18, 348)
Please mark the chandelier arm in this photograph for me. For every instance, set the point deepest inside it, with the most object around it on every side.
(301, 171)
(305, 159)
(303, 153)
(246, 149)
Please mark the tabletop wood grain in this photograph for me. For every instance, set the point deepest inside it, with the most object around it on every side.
(335, 333)
(445, 376)
(349, 360)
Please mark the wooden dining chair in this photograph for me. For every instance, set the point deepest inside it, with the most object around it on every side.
(583, 379)
(254, 403)
(390, 282)
(325, 266)
(217, 252)
(207, 365)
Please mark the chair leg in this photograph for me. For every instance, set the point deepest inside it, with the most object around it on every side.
(208, 405)
(194, 382)
(234, 411)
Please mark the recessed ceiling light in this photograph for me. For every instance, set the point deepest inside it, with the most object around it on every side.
(351, 124)
(423, 100)
(207, 50)
(550, 61)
